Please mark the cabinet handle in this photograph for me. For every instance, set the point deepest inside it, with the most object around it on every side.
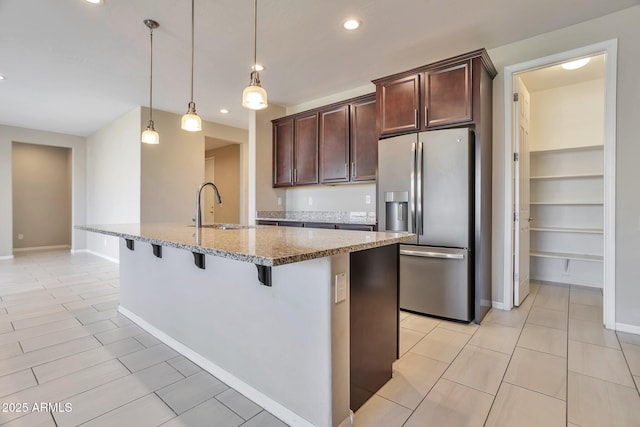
(415, 114)
(291, 175)
(295, 175)
(346, 170)
(426, 121)
(353, 169)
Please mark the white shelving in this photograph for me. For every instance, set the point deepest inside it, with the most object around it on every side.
(567, 190)
(569, 176)
(569, 230)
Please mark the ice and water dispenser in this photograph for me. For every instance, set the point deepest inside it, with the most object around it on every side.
(396, 210)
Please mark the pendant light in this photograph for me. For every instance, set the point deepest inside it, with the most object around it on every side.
(254, 97)
(150, 136)
(191, 121)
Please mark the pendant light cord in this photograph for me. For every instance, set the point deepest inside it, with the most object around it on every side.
(151, 78)
(192, 43)
(255, 34)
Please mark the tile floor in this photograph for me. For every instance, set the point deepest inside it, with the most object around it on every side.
(62, 340)
(549, 362)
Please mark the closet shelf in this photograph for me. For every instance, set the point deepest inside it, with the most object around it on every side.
(568, 176)
(562, 255)
(560, 202)
(568, 149)
(569, 230)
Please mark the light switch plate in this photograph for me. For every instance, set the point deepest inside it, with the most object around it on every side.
(367, 199)
(340, 287)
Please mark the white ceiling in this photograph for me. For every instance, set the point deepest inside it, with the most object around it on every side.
(556, 76)
(72, 67)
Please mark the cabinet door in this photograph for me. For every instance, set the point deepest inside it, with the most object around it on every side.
(283, 153)
(334, 145)
(447, 95)
(398, 105)
(364, 141)
(306, 150)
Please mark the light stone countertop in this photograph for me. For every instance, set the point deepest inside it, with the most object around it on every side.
(261, 245)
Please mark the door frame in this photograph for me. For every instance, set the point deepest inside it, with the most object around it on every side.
(610, 49)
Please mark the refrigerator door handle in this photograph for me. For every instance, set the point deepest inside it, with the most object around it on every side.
(420, 166)
(412, 190)
(431, 254)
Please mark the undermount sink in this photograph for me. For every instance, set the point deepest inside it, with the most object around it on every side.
(226, 226)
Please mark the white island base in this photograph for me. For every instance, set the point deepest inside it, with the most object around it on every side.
(286, 347)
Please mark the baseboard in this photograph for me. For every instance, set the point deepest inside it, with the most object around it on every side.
(231, 380)
(78, 251)
(632, 329)
(6, 257)
(41, 248)
(108, 258)
(499, 305)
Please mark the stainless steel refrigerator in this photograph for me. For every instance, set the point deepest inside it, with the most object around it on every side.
(426, 187)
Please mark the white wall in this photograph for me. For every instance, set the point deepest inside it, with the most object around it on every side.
(567, 116)
(172, 170)
(8, 134)
(623, 26)
(342, 198)
(113, 179)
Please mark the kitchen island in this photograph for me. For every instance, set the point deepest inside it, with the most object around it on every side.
(265, 309)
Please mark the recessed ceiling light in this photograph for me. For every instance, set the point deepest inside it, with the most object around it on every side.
(257, 67)
(224, 111)
(2, 77)
(94, 1)
(574, 65)
(351, 24)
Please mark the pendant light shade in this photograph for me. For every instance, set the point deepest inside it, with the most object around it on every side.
(150, 136)
(191, 121)
(254, 97)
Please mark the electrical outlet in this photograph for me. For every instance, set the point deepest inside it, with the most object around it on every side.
(340, 287)
(279, 201)
(20, 236)
(310, 201)
(105, 242)
(367, 199)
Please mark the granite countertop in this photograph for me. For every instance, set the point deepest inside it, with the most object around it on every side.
(261, 245)
(331, 217)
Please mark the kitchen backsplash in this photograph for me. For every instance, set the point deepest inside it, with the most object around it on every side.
(336, 198)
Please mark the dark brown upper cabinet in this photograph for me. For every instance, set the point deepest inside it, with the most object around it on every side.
(337, 143)
(305, 152)
(334, 145)
(283, 153)
(447, 95)
(364, 140)
(398, 104)
(444, 94)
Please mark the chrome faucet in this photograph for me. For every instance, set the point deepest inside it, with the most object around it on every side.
(198, 216)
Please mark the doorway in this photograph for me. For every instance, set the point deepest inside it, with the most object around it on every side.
(41, 196)
(561, 187)
(222, 167)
